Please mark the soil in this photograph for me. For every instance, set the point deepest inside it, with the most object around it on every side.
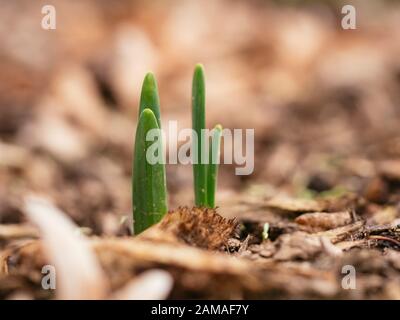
(325, 192)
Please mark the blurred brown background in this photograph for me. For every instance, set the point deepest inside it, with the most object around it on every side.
(324, 102)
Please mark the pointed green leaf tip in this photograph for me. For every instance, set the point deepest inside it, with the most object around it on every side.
(149, 194)
(212, 171)
(198, 124)
(149, 97)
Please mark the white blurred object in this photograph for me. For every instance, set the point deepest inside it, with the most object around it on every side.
(151, 285)
(79, 275)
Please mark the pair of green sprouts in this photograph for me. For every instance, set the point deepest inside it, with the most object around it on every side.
(149, 190)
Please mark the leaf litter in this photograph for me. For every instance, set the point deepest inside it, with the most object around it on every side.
(327, 173)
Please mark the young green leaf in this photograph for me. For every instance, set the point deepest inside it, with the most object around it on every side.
(198, 124)
(149, 194)
(149, 97)
(212, 171)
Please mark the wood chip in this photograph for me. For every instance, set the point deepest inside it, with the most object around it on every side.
(341, 233)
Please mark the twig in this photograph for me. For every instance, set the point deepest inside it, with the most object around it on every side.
(385, 239)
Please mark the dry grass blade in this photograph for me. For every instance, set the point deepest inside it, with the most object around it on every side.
(176, 254)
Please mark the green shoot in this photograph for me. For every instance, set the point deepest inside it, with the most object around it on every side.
(205, 162)
(149, 97)
(213, 165)
(265, 233)
(149, 191)
(199, 124)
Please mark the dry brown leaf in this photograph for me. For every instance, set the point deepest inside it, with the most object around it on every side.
(347, 245)
(297, 245)
(385, 216)
(341, 233)
(319, 221)
(287, 204)
(330, 248)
